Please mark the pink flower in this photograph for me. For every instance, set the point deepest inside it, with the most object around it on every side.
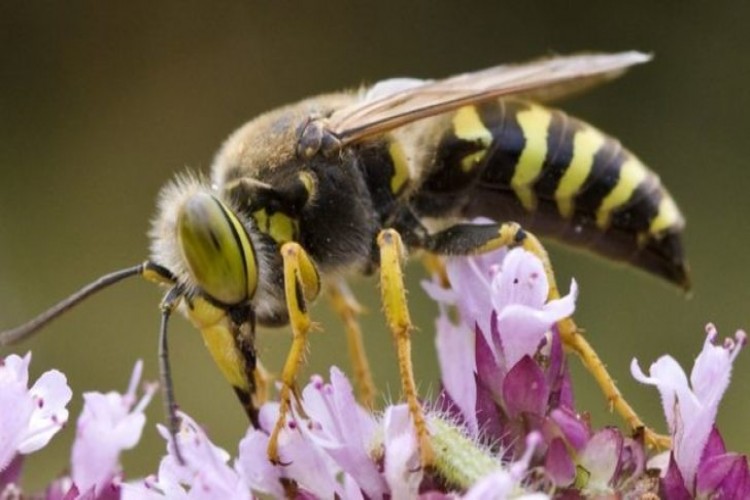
(204, 474)
(302, 459)
(333, 441)
(691, 408)
(504, 316)
(29, 417)
(344, 429)
(109, 424)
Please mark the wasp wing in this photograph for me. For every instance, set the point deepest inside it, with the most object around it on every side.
(397, 102)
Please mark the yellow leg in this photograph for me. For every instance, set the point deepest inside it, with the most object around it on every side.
(301, 284)
(397, 316)
(347, 307)
(263, 381)
(572, 338)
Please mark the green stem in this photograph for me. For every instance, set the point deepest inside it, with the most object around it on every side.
(458, 459)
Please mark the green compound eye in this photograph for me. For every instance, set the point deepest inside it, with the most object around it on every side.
(217, 250)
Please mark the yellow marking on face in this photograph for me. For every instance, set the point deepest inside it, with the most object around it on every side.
(586, 143)
(667, 216)
(217, 336)
(261, 219)
(281, 227)
(400, 166)
(534, 123)
(469, 127)
(308, 181)
(632, 173)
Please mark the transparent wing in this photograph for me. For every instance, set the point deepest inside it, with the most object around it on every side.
(394, 103)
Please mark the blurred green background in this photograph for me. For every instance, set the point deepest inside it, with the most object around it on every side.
(101, 104)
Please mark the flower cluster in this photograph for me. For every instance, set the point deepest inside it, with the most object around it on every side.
(521, 382)
(505, 424)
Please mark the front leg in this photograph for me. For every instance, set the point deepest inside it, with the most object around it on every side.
(301, 285)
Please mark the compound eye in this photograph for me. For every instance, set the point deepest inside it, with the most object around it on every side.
(217, 250)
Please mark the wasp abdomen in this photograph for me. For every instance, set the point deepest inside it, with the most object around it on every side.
(556, 175)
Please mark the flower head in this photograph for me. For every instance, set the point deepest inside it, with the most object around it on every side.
(504, 320)
(690, 407)
(29, 417)
(109, 423)
(204, 473)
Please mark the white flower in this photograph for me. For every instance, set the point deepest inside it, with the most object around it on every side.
(690, 408)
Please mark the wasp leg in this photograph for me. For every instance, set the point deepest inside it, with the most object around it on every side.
(301, 284)
(467, 239)
(397, 315)
(573, 339)
(346, 306)
(263, 381)
(436, 267)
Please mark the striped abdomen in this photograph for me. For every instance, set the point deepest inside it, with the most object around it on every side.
(557, 176)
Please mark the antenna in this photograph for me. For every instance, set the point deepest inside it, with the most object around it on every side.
(32, 326)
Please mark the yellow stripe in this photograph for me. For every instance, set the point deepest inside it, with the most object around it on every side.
(534, 123)
(469, 127)
(667, 216)
(632, 173)
(400, 166)
(470, 161)
(585, 145)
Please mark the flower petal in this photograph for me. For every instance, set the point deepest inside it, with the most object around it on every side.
(559, 464)
(51, 394)
(109, 423)
(601, 458)
(29, 417)
(723, 476)
(672, 483)
(401, 463)
(522, 280)
(572, 427)
(255, 468)
(525, 389)
(670, 379)
(343, 429)
(522, 327)
(205, 473)
(305, 461)
(456, 350)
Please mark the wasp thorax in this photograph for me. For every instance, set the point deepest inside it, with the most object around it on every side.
(217, 250)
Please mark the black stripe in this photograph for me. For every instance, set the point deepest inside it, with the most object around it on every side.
(642, 207)
(377, 164)
(560, 134)
(604, 175)
(508, 144)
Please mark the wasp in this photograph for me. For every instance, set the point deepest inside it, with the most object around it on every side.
(350, 182)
